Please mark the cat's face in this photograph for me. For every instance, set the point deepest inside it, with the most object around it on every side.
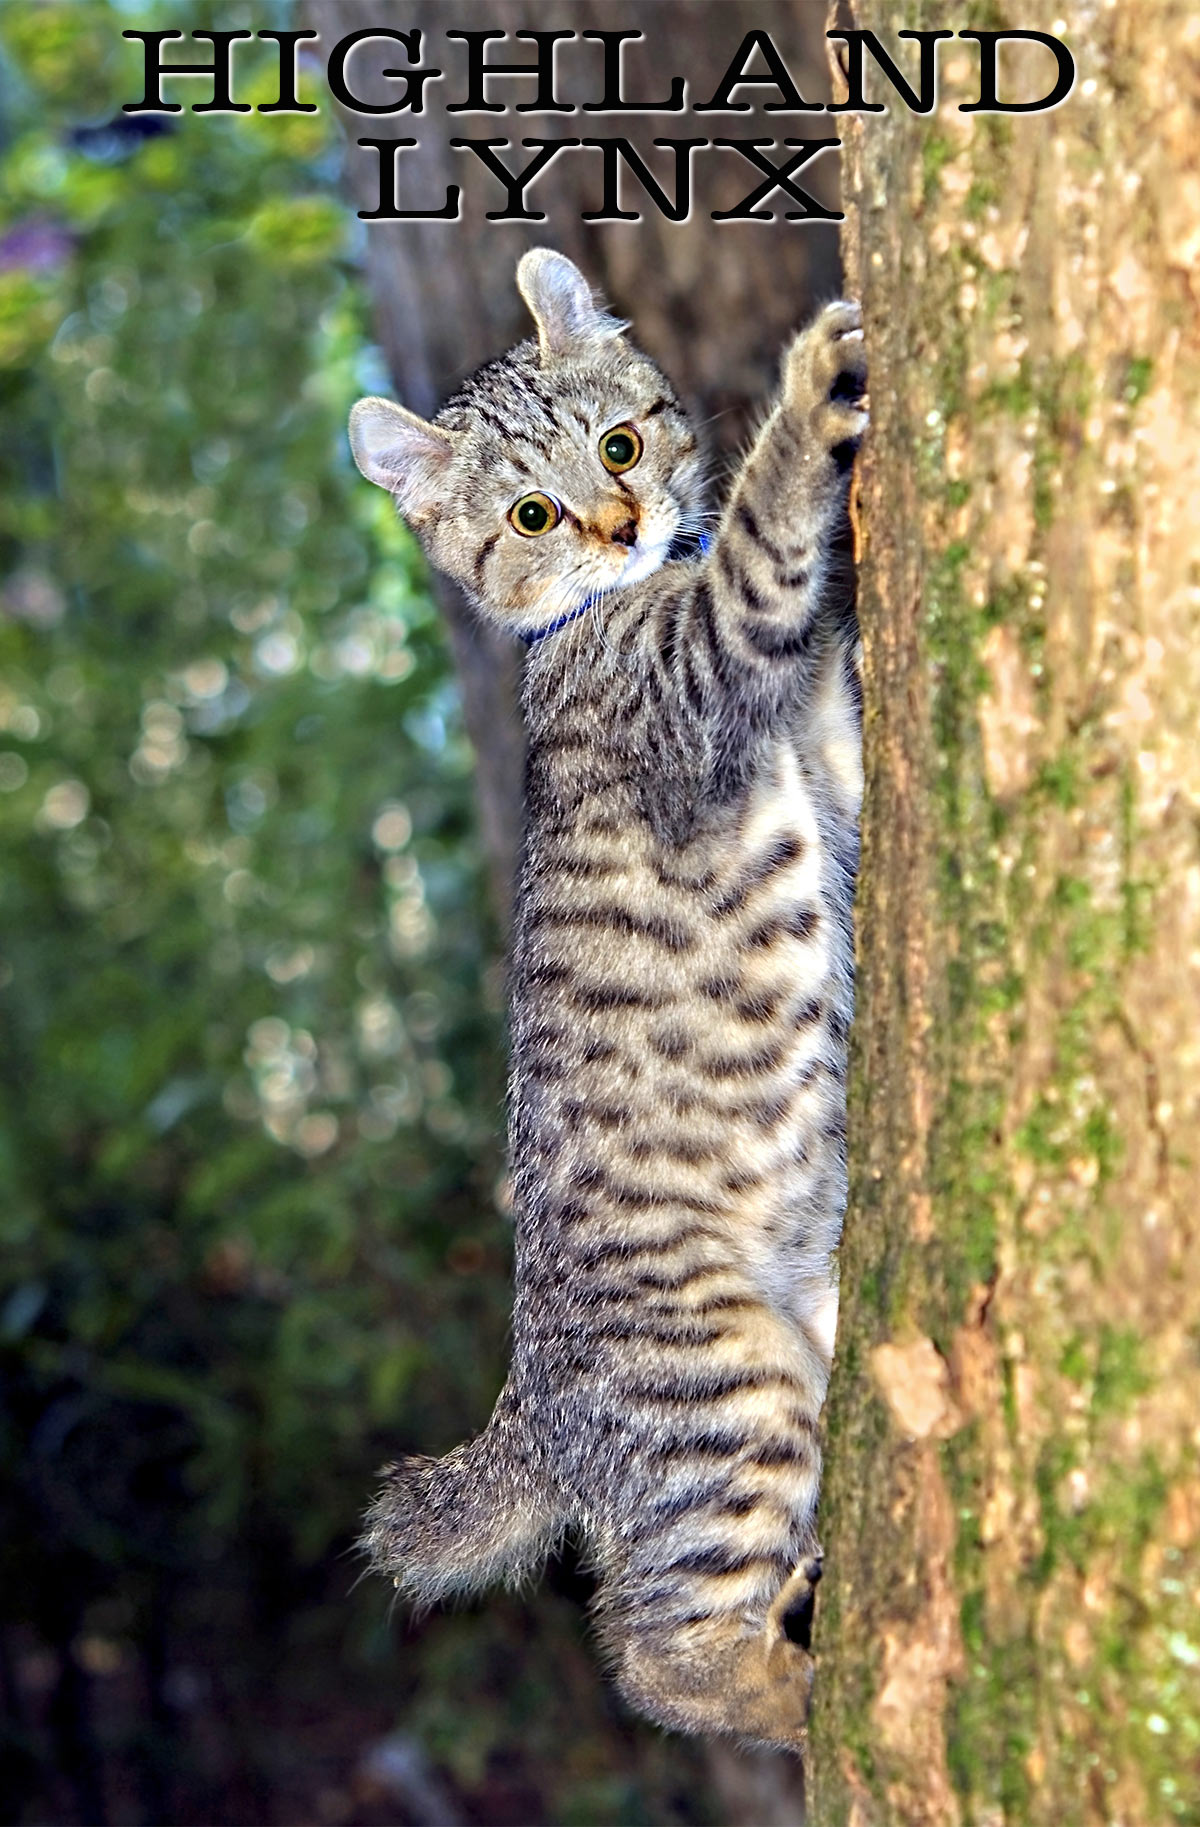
(559, 472)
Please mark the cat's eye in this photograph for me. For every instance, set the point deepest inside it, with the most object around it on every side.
(620, 449)
(534, 514)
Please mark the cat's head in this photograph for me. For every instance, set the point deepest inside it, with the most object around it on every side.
(562, 470)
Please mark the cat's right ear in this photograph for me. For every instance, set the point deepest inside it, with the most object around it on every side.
(402, 453)
(560, 301)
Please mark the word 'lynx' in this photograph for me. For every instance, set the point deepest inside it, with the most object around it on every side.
(681, 994)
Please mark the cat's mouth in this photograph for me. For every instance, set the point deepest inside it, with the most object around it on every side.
(644, 559)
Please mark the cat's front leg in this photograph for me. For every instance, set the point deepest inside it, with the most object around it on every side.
(744, 645)
(775, 544)
(766, 571)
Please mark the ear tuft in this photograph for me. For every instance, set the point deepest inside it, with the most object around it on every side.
(402, 453)
(560, 300)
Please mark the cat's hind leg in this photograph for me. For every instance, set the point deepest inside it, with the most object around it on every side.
(741, 1673)
(705, 1600)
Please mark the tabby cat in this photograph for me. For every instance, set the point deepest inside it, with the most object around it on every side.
(681, 993)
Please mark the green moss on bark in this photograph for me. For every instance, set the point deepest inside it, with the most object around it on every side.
(1007, 1119)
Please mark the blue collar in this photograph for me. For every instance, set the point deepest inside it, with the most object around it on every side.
(535, 635)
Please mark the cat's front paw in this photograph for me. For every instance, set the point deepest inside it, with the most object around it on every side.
(825, 381)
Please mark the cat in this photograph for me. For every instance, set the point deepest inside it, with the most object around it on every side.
(681, 997)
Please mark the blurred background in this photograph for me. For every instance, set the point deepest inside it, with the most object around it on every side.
(252, 1204)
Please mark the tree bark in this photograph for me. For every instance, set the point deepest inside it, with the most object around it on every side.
(1007, 1630)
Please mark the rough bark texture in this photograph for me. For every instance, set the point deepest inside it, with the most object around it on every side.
(1008, 1627)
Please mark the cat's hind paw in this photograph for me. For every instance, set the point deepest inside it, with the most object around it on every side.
(825, 381)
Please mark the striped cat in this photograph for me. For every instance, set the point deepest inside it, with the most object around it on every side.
(681, 993)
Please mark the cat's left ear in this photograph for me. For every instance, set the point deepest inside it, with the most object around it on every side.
(560, 299)
(402, 453)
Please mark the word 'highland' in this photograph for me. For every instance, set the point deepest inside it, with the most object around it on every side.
(755, 65)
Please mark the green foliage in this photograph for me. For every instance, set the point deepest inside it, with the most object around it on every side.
(251, 1084)
(240, 898)
(252, 1071)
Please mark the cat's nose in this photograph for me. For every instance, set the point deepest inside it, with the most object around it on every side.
(625, 534)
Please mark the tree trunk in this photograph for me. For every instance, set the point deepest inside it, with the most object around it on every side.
(1008, 1627)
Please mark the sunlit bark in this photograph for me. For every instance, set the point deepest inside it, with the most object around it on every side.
(1007, 1630)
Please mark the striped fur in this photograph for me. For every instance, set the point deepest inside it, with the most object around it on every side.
(681, 996)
